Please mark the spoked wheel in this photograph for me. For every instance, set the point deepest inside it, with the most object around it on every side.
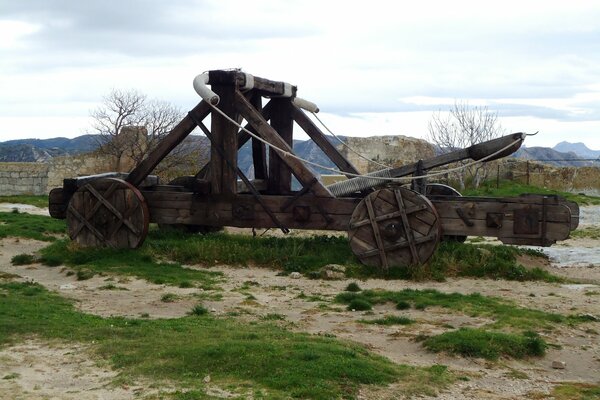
(439, 189)
(394, 227)
(108, 213)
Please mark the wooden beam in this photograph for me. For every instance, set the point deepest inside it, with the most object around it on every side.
(300, 171)
(259, 149)
(280, 175)
(176, 136)
(321, 140)
(223, 153)
(242, 138)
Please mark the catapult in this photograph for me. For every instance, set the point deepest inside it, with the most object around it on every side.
(388, 225)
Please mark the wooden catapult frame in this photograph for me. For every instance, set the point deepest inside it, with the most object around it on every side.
(387, 227)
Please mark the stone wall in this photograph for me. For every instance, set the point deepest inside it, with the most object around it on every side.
(40, 177)
(23, 178)
(393, 150)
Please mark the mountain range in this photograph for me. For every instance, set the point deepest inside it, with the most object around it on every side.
(42, 150)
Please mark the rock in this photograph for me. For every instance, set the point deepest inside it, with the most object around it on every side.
(556, 364)
(67, 286)
(335, 267)
(332, 275)
(206, 379)
(295, 275)
(333, 272)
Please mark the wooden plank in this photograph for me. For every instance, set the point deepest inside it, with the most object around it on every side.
(223, 169)
(321, 140)
(280, 175)
(176, 136)
(376, 233)
(259, 149)
(300, 171)
(242, 138)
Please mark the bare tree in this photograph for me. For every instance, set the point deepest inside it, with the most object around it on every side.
(130, 126)
(462, 127)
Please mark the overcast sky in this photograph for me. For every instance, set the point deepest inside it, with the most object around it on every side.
(373, 67)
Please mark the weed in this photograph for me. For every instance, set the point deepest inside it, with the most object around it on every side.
(198, 310)
(576, 391)
(388, 320)
(186, 284)
(273, 317)
(402, 305)
(85, 274)
(359, 305)
(169, 298)
(23, 259)
(111, 286)
(13, 375)
(472, 342)
(353, 287)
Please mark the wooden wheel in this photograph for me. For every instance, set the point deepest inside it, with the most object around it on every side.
(396, 227)
(108, 213)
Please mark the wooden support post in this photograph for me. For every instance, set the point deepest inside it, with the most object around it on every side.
(176, 136)
(321, 140)
(280, 175)
(223, 178)
(300, 171)
(259, 149)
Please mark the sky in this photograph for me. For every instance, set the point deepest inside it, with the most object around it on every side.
(373, 68)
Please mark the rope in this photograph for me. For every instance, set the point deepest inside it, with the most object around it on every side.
(286, 153)
(347, 146)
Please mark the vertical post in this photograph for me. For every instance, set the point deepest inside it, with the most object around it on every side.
(259, 150)
(498, 177)
(280, 175)
(527, 172)
(223, 174)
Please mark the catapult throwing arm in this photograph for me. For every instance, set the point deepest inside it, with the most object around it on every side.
(203, 91)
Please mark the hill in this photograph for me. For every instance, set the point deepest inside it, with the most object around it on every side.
(578, 148)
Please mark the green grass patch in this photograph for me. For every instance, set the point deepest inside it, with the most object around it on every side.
(482, 261)
(388, 320)
(359, 304)
(590, 232)
(40, 201)
(182, 351)
(141, 263)
(353, 287)
(576, 391)
(471, 342)
(511, 188)
(38, 227)
(23, 259)
(505, 313)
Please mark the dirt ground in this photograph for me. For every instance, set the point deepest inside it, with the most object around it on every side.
(35, 369)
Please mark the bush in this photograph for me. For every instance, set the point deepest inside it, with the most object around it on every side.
(353, 287)
(359, 305)
(199, 310)
(23, 259)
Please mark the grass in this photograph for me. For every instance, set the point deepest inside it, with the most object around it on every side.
(140, 263)
(511, 188)
(307, 255)
(503, 312)
(38, 227)
(23, 259)
(576, 391)
(591, 232)
(388, 320)
(182, 351)
(40, 201)
(471, 342)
